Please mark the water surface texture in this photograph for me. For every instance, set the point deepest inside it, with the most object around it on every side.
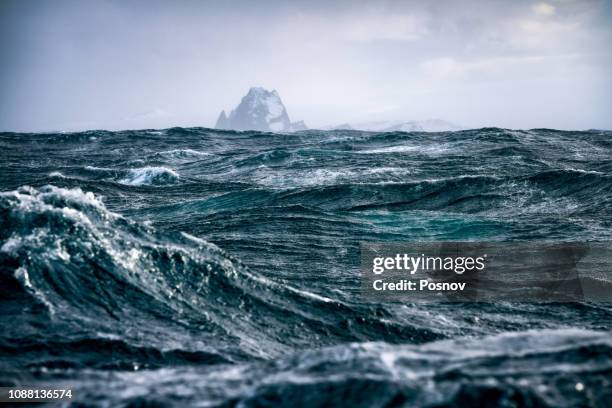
(216, 268)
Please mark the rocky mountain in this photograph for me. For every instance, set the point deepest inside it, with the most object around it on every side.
(430, 125)
(260, 110)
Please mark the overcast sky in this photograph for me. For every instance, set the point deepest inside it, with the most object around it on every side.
(72, 65)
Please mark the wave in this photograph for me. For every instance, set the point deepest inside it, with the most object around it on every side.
(183, 154)
(556, 192)
(100, 271)
(418, 149)
(515, 369)
(94, 271)
(147, 176)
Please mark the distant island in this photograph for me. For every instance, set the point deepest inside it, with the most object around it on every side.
(264, 111)
(260, 110)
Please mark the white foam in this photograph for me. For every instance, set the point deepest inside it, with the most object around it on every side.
(23, 276)
(150, 176)
(268, 177)
(567, 168)
(183, 153)
(94, 168)
(431, 149)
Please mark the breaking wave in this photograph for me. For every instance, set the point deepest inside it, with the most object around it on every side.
(148, 176)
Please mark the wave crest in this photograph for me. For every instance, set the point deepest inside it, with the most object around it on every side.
(147, 176)
(99, 272)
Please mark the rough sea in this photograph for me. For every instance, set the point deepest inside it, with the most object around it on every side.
(196, 267)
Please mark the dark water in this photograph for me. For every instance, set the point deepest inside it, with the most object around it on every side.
(198, 267)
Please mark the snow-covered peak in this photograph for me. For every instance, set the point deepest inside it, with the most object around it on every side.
(258, 90)
(259, 109)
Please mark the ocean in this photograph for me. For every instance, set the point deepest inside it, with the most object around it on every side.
(198, 267)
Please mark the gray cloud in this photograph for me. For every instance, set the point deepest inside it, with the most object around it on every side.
(72, 65)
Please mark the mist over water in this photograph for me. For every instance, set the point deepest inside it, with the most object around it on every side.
(192, 266)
